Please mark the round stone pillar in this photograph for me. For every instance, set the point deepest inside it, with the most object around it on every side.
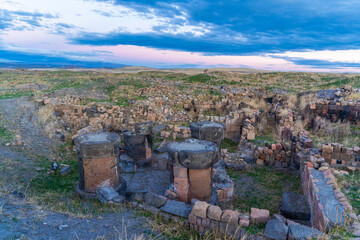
(98, 161)
(209, 131)
(192, 162)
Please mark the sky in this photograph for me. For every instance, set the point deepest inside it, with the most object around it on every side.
(276, 35)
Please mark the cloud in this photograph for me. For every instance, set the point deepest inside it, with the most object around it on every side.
(207, 29)
(269, 26)
(18, 59)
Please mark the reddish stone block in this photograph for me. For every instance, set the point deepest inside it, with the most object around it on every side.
(214, 212)
(309, 165)
(98, 170)
(259, 216)
(180, 172)
(200, 184)
(231, 217)
(182, 196)
(192, 219)
(200, 209)
(181, 183)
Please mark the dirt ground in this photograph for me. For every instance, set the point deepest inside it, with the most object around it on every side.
(23, 218)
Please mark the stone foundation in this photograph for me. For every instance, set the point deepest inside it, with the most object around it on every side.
(192, 162)
(98, 161)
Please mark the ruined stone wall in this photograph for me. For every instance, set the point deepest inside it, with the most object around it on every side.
(209, 218)
(348, 111)
(278, 155)
(335, 153)
(329, 206)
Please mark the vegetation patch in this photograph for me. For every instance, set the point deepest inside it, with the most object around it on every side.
(262, 188)
(350, 187)
(230, 145)
(4, 132)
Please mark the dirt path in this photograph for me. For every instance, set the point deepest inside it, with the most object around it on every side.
(20, 219)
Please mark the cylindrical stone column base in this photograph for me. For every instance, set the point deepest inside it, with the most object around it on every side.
(192, 162)
(209, 131)
(98, 161)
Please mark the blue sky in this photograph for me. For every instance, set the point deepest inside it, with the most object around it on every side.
(286, 35)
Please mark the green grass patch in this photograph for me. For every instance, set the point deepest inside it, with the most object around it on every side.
(200, 78)
(350, 187)
(230, 145)
(5, 133)
(262, 187)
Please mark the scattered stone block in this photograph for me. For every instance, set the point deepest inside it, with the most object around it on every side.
(176, 208)
(294, 206)
(106, 194)
(200, 209)
(214, 212)
(64, 169)
(259, 216)
(300, 232)
(231, 217)
(155, 199)
(276, 229)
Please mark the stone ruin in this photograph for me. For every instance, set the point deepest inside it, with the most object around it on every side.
(98, 163)
(188, 179)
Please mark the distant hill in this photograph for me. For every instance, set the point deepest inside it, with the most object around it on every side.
(61, 65)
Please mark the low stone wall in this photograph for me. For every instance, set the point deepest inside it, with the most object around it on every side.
(278, 155)
(328, 205)
(334, 111)
(209, 218)
(335, 153)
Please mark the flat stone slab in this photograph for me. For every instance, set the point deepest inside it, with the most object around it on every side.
(176, 208)
(332, 207)
(276, 229)
(193, 153)
(301, 232)
(294, 206)
(156, 181)
(144, 128)
(210, 131)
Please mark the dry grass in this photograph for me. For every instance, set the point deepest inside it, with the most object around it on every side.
(306, 99)
(353, 96)
(292, 101)
(329, 132)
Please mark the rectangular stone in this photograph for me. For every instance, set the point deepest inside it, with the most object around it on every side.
(200, 184)
(181, 183)
(97, 171)
(180, 172)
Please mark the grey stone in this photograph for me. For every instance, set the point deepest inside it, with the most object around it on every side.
(105, 194)
(137, 146)
(193, 153)
(144, 128)
(162, 148)
(98, 145)
(332, 206)
(157, 128)
(176, 208)
(126, 163)
(236, 166)
(155, 199)
(276, 229)
(65, 169)
(294, 206)
(301, 232)
(119, 199)
(122, 187)
(209, 131)
(279, 217)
